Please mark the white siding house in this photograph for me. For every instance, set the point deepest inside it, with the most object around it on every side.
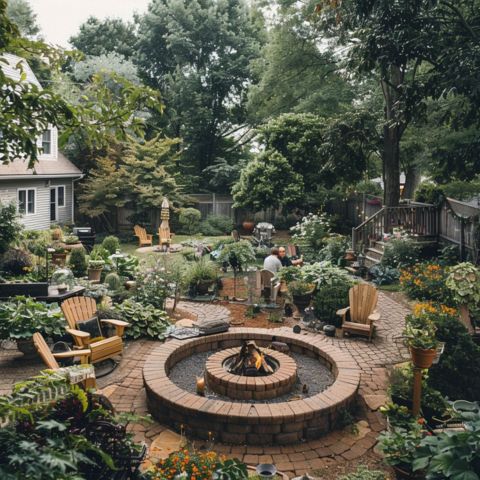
(44, 194)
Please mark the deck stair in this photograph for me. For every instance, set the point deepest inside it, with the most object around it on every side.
(374, 254)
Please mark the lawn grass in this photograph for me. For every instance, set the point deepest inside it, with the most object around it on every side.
(394, 287)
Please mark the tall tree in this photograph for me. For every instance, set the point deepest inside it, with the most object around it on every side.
(21, 14)
(198, 54)
(295, 75)
(100, 37)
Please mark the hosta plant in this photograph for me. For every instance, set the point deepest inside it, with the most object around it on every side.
(464, 282)
(420, 332)
(145, 320)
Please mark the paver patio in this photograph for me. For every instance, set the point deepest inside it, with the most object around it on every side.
(125, 389)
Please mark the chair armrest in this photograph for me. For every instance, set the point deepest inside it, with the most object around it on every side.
(83, 337)
(149, 236)
(83, 354)
(118, 324)
(343, 311)
(373, 317)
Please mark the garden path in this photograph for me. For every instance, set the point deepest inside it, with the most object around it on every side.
(333, 454)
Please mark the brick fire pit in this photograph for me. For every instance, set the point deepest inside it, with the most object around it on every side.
(244, 422)
(248, 388)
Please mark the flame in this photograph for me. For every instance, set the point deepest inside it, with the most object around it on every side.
(259, 361)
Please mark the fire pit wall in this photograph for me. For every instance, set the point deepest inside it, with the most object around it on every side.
(245, 422)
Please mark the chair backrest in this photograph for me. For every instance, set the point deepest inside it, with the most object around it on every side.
(363, 300)
(235, 235)
(44, 351)
(291, 250)
(266, 277)
(140, 232)
(78, 309)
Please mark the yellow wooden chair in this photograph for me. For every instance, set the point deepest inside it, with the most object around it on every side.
(50, 359)
(363, 301)
(144, 239)
(82, 309)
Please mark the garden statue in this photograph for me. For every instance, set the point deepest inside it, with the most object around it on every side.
(164, 230)
(262, 234)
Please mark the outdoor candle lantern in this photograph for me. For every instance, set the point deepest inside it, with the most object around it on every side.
(201, 386)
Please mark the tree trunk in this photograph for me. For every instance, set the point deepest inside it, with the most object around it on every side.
(412, 180)
(392, 134)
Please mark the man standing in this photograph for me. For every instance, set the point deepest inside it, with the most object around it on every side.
(285, 260)
(272, 262)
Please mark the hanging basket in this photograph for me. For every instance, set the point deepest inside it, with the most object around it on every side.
(423, 358)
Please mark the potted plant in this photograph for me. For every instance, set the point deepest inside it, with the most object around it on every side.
(301, 293)
(95, 266)
(200, 276)
(59, 257)
(420, 334)
(21, 317)
(56, 233)
(464, 282)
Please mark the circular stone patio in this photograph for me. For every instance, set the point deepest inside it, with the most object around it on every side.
(244, 422)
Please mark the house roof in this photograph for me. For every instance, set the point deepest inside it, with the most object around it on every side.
(9, 64)
(61, 167)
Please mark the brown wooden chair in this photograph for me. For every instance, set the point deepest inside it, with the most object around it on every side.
(50, 359)
(360, 316)
(144, 239)
(81, 309)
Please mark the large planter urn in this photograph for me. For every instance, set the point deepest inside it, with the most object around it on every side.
(248, 226)
(302, 301)
(27, 347)
(203, 286)
(423, 358)
(59, 259)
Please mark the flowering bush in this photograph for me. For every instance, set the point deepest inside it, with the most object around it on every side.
(401, 253)
(426, 281)
(194, 466)
(310, 234)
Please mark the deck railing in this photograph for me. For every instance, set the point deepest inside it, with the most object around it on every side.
(419, 220)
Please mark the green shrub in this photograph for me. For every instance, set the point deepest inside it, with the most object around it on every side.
(36, 241)
(328, 299)
(189, 220)
(111, 244)
(10, 227)
(334, 250)
(152, 286)
(145, 320)
(17, 261)
(429, 192)
(383, 275)
(457, 373)
(401, 253)
(202, 270)
(215, 225)
(310, 234)
(238, 254)
(113, 281)
(78, 262)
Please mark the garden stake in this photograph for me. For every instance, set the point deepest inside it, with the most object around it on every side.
(417, 390)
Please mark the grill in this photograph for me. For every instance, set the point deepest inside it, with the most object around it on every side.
(86, 235)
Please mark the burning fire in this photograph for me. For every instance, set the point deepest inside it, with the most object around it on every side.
(249, 358)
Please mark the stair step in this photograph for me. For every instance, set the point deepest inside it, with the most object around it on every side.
(370, 261)
(375, 250)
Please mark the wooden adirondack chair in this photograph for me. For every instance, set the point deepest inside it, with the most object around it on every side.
(80, 309)
(50, 359)
(144, 239)
(363, 300)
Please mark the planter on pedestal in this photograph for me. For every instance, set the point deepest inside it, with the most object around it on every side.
(248, 226)
(423, 358)
(94, 274)
(302, 301)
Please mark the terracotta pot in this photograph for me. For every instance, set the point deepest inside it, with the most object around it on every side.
(350, 256)
(59, 259)
(248, 226)
(27, 347)
(94, 274)
(423, 358)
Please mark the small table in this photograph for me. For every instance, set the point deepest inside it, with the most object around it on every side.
(55, 297)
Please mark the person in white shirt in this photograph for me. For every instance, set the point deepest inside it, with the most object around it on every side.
(272, 262)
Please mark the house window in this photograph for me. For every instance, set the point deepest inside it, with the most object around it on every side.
(61, 196)
(26, 201)
(47, 142)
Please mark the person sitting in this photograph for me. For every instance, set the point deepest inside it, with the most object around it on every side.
(272, 262)
(285, 260)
